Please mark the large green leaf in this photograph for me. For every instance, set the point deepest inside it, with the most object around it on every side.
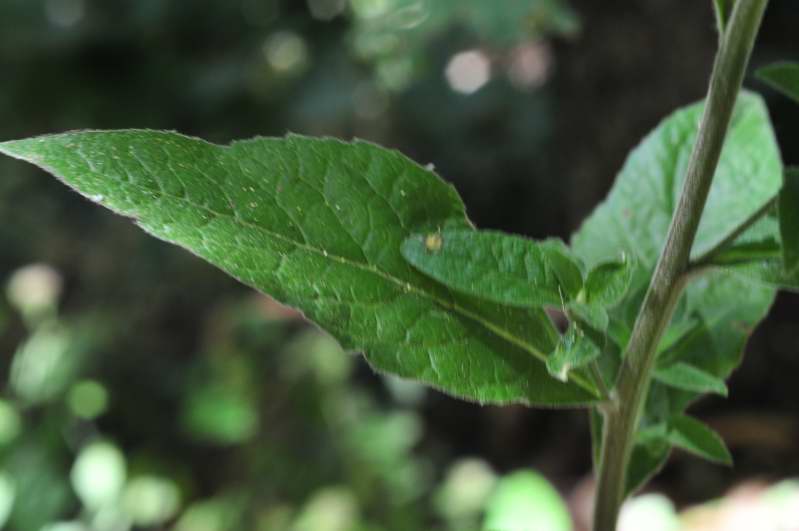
(782, 76)
(498, 267)
(318, 224)
(719, 309)
(635, 217)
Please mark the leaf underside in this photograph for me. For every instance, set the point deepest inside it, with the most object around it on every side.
(318, 224)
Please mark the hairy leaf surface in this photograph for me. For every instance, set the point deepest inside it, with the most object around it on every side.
(318, 224)
(498, 267)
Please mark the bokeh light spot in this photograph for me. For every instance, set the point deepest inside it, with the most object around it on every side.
(653, 512)
(286, 52)
(524, 497)
(88, 399)
(64, 13)
(151, 500)
(98, 475)
(10, 423)
(326, 9)
(7, 495)
(34, 290)
(468, 71)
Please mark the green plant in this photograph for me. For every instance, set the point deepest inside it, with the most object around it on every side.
(662, 284)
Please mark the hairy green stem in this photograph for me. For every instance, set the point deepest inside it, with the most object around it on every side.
(623, 414)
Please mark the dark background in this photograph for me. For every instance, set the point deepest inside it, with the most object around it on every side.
(180, 349)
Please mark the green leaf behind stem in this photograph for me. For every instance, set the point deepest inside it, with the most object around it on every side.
(719, 309)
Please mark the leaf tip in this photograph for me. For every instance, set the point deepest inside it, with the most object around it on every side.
(14, 148)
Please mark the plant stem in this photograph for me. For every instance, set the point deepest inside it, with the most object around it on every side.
(623, 414)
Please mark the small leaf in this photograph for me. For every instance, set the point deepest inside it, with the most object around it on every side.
(687, 377)
(782, 76)
(593, 315)
(635, 218)
(788, 208)
(318, 224)
(693, 436)
(608, 283)
(653, 443)
(575, 350)
(496, 266)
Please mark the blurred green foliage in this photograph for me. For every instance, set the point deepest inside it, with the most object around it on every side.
(230, 412)
(272, 431)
